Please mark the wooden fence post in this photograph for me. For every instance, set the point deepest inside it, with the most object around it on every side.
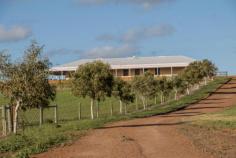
(111, 109)
(55, 114)
(40, 115)
(4, 121)
(79, 111)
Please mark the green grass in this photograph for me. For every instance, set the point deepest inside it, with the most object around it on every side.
(39, 139)
(220, 120)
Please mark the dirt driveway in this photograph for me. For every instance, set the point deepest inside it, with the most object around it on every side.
(154, 137)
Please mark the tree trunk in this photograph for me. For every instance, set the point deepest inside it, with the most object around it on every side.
(121, 107)
(205, 80)
(136, 102)
(91, 108)
(15, 119)
(97, 102)
(155, 99)
(176, 92)
(143, 99)
(198, 86)
(188, 91)
(125, 108)
(162, 98)
(146, 103)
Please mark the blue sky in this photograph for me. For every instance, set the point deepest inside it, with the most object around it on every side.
(73, 29)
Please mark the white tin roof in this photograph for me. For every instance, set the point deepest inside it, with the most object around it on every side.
(131, 62)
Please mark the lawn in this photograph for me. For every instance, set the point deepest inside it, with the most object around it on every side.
(38, 139)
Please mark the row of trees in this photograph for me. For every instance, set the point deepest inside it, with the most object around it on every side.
(26, 82)
(96, 81)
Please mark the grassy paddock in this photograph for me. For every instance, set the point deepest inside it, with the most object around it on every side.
(214, 133)
(220, 120)
(39, 139)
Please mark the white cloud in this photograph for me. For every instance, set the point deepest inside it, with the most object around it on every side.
(137, 35)
(111, 51)
(143, 3)
(97, 52)
(63, 51)
(14, 33)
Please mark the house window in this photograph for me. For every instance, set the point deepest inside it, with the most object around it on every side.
(137, 71)
(125, 72)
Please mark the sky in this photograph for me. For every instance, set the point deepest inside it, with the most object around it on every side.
(75, 29)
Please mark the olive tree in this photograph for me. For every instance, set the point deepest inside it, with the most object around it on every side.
(208, 69)
(94, 80)
(26, 81)
(178, 85)
(145, 87)
(192, 75)
(122, 90)
(164, 86)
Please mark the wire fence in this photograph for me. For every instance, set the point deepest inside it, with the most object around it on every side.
(71, 108)
(26, 118)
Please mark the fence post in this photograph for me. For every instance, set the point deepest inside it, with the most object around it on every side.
(136, 103)
(4, 122)
(111, 109)
(9, 119)
(79, 112)
(40, 115)
(55, 114)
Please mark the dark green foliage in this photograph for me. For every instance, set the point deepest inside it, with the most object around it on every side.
(164, 87)
(193, 73)
(145, 86)
(122, 90)
(208, 68)
(94, 80)
(179, 85)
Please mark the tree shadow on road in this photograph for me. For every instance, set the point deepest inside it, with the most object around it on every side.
(144, 125)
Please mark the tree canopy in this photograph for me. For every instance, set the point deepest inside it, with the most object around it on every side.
(122, 90)
(94, 80)
(26, 81)
(145, 86)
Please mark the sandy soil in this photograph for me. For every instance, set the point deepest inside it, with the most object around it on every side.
(154, 137)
